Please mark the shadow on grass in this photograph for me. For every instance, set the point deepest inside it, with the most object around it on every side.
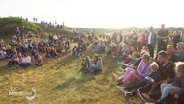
(66, 84)
(110, 66)
(79, 79)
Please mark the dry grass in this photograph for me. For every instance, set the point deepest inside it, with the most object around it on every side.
(59, 81)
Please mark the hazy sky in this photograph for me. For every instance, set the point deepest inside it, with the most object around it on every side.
(99, 13)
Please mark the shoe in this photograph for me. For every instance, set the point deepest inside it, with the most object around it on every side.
(133, 93)
(160, 101)
(128, 94)
(119, 82)
(123, 89)
(140, 95)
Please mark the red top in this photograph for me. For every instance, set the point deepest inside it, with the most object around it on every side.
(39, 60)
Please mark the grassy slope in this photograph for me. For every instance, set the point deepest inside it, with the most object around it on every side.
(59, 81)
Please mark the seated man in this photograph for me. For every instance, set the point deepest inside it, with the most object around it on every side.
(166, 70)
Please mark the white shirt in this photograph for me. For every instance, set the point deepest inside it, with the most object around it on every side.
(55, 37)
(26, 59)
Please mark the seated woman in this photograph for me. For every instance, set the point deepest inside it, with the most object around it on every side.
(39, 60)
(26, 60)
(154, 76)
(142, 71)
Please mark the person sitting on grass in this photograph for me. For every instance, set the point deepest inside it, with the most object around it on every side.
(26, 60)
(48, 52)
(180, 51)
(74, 51)
(80, 50)
(13, 62)
(39, 60)
(9, 53)
(86, 64)
(134, 66)
(83, 67)
(153, 77)
(142, 71)
(54, 53)
(97, 66)
(19, 59)
(2, 55)
(176, 88)
(166, 71)
(34, 54)
(170, 53)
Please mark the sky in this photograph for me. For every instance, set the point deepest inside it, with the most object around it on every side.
(99, 13)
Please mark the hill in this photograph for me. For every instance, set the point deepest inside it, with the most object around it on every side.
(8, 26)
(59, 80)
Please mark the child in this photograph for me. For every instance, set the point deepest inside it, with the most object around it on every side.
(19, 59)
(13, 62)
(176, 88)
(54, 53)
(153, 77)
(34, 54)
(39, 60)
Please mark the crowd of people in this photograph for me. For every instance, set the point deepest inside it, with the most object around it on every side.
(154, 75)
(22, 50)
(144, 55)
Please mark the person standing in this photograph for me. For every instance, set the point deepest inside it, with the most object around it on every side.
(151, 41)
(163, 38)
(182, 35)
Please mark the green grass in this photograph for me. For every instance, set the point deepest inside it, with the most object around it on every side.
(59, 81)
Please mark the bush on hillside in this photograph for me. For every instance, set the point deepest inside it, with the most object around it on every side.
(8, 26)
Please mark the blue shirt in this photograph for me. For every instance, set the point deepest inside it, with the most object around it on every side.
(149, 38)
